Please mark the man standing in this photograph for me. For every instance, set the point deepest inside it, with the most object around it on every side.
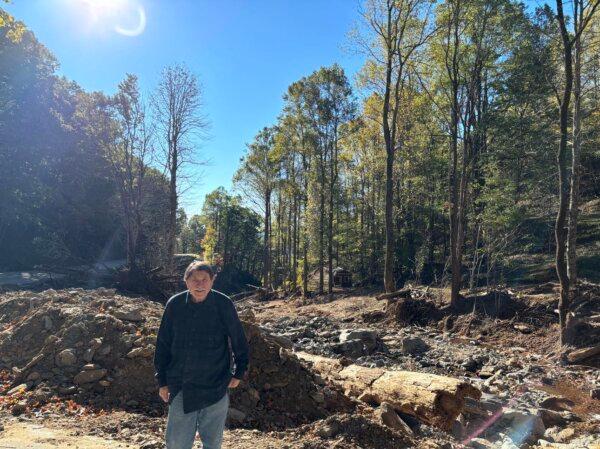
(193, 359)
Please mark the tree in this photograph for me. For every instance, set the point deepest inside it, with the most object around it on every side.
(177, 103)
(129, 156)
(400, 28)
(562, 228)
(258, 176)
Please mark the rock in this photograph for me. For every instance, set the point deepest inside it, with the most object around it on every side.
(33, 376)
(364, 335)
(552, 418)
(526, 423)
(557, 403)
(523, 328)
(470, 365)
(104, 383)
(236, 416)
(129, 314)
(480, 443)
(147, 351)
(413, 345)
(95, 343)
(88, 376)
(388, 417)
(88, 355)
(71, 389)
(90, 366)
(595, 393)
(487, 371)
(352, 348)
(48, 324)
(19, 408)
(104, 350)
(65, 357)
(16, 390)
(565, 435)
(329, 430)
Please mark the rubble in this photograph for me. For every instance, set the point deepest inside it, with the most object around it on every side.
(77, 351)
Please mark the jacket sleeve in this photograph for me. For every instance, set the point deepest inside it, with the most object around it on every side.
(162, 354)
(239, 343)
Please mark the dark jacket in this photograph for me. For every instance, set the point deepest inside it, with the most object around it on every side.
(193, 351)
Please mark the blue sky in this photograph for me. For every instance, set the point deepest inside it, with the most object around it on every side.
(245, 54)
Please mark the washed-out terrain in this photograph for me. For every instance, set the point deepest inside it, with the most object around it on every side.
(348, 371)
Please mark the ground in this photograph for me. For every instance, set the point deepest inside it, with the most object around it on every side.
(514, 361)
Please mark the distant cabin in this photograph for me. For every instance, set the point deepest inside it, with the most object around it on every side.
(342, 278)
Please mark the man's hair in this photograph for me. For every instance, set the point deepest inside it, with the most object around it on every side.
(198, 265)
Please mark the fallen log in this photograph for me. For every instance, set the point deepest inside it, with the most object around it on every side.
(582, 354)
(403, 293)
(435, 400)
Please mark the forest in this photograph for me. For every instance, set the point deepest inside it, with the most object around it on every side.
(461, 154)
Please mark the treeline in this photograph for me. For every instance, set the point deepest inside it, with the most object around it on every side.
(86, 176)
(441, 163)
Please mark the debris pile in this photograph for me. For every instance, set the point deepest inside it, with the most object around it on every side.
(96, 347)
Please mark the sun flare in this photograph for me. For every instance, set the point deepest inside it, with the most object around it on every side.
(126, 17)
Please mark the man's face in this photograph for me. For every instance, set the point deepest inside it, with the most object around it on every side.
(199, 284)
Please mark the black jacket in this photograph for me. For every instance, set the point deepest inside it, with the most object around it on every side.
(193, 350)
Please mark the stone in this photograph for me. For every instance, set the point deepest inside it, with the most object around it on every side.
(595, 393)
(364, 335)
(90, 366)
(147, 351)
(413, 345)
(388, 417)
(487, 371)
(104, 350)
(328, 430)
(19, 408)
(66, 357)
(105, 383)
(89, 376)
(552, 418)
(557, 403)
(528, 424)
(129, 314)
(48, 324)
(95, 343)
(480, 443)
(16, 390)
(71, 389)
(33, 376)
(88, 354)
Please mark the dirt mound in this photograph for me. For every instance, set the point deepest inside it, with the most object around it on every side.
(352, 432)
(95, 347)
(91, 346)
(407, 311)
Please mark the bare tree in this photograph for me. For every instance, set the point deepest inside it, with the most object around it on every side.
(129, 157)
(177, 110)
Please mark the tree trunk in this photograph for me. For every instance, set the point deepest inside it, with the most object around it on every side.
(576, 153)
(267, 243)
(560, 229)
(172, 208)
(434, 400)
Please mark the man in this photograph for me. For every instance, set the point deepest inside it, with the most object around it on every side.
(193, 359)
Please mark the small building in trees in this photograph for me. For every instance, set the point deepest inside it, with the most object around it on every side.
(342, 277)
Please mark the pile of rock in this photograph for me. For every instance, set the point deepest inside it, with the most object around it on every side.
(96, 347)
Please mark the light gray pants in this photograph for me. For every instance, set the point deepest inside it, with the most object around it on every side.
(209, 422)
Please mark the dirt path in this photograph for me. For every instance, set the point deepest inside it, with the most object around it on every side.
(24, 435)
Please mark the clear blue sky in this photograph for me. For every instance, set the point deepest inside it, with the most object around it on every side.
(245, 54)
